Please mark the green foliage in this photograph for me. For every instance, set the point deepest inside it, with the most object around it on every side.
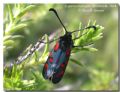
(104, 78)
(13, 23)
(37, 78)
(13, 80)
(13, 76)
(18, 22)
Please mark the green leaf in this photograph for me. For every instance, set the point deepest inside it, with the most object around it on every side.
(47, 45)
(46, 49)
(24, 11)
(89, 49)
(80, 26)
(7, 37)
(76, 62)
(98, 31)
(27, 21)
(16, 28)
(36, 55)
(89, 22)
(10, 14)
(8, 42)
(34, 74)
(96, 38)
(77, 41)
(75, 50)
(90, 34)
(17, 36)
(10, 37)
(94, 23)
(14, 70)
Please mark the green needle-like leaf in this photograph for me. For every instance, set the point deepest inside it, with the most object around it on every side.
(10, 14)
(46, 49)
(76, 61)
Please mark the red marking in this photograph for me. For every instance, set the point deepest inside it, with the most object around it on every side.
(60, 74)
(62, 65)
(51, 59)
(68, 52)
(56, 46)
(46, 66)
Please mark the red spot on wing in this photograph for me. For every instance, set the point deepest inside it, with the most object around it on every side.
(51, 59)
(68, 52)
(56, 46)
(60, 74)
(62, 65)
(46, 66)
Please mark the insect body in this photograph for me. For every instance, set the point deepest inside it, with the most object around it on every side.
(57, 61)
(58, 58)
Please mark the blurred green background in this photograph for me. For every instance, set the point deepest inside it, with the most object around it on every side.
(101, 67)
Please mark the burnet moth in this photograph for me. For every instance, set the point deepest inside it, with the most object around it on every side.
(58, 58)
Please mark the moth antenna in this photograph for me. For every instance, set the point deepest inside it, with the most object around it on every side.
(94, 27)
(52, 9)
